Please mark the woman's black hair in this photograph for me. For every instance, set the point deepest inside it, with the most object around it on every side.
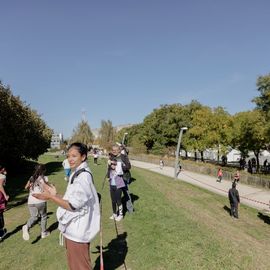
(81, 147)
(40, 170)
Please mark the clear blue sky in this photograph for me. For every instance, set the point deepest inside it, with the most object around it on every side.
(118, 60)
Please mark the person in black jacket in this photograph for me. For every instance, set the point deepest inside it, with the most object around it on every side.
(126, 166)
(234, 200)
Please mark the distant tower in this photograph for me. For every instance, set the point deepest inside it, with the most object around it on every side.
(84, 115)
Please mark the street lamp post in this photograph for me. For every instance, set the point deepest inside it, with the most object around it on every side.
(124, 137)
(177, 151)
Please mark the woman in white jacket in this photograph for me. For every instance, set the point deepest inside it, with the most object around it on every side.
(78, 212)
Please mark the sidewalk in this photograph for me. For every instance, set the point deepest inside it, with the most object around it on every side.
(249, 195)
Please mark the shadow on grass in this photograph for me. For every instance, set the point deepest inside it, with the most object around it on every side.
(265, 218)
(114, 254)
(134, 197)
(227, 209)
(132, 179)
(127, 206)
(52, 167)
(52, 228)
(17, 229)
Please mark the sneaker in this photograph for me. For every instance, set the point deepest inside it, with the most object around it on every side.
(45, 234)
(113, 216)
(4, 234)
(118, 218)
(25, 233)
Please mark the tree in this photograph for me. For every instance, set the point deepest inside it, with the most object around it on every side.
(250, 133)
(263, 101)
(23, 134)
(83, 134)
(106, 134)
(160, 129)
(210, 128)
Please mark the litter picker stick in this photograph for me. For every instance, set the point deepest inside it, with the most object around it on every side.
(101, 242)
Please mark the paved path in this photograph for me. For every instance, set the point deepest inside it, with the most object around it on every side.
(255, 197)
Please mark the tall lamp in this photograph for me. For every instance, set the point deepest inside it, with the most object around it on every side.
(177, 150)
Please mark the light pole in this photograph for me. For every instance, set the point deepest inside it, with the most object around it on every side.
(124, 137)
(177, 151)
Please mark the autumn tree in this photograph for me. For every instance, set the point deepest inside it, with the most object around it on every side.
(106, 134)
(83, 134)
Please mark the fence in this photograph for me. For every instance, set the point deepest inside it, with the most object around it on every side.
(208, 169)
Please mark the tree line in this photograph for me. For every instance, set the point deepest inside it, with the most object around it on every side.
(23, 134)
(208, 128)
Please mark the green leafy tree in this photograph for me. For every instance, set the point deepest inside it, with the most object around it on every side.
(160, 129)
(263, 100)
(82, 133)
(23, 134)
(210, 129)
(250, 133)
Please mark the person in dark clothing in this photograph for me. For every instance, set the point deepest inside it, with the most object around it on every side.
(234, 200)
(126, 166)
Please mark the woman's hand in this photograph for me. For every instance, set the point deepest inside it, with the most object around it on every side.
(43, 196)
(50, 188)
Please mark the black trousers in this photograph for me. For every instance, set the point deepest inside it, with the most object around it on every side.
(234, 210)
(2, 224)
(115, 197)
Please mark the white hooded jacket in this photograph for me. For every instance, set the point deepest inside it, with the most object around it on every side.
(82, 224)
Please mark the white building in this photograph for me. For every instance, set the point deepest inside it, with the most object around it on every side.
(56, 140)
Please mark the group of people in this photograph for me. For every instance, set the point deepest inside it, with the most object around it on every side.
(78, 211)
(233, 193)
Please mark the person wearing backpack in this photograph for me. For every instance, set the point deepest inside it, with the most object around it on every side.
(78, 213)
(126, 166)
(116, 184)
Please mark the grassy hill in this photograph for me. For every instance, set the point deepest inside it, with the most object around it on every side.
(175, 226)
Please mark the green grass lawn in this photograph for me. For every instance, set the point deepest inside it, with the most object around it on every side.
(175, 226)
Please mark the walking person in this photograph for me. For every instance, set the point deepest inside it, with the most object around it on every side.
(95, 155)
(3, 201)
(67, 169)
(115, 174)
(234, 199)
(236, 177)
(161, 163)
(219, 175)
(179, 168)
(78, 213)
(37, 207)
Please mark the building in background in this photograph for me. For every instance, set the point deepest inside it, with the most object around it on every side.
(56, 140)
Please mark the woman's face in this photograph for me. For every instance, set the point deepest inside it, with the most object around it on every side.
(75, 158)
